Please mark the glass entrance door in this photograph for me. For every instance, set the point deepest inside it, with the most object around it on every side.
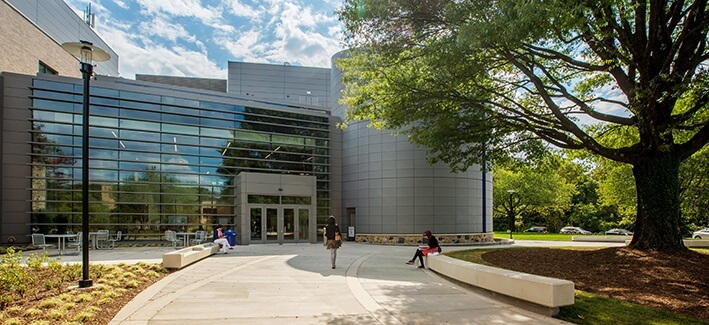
(289, 225)
(272, 225)
(278, 224)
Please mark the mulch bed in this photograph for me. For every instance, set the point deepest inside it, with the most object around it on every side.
(673, 281)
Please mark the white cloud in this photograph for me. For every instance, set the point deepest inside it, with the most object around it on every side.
(210, 16)
(121, 4)
(155, 58)
(162, 28)
(297, 39)
(294, 34)
(237, 8)
(183, 37)
(248, 46)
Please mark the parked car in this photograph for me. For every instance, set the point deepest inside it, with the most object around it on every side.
(574, 230)
(619, 231)
(537, 229)
(699, 234)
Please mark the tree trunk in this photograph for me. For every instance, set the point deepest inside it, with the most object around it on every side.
(657, 226)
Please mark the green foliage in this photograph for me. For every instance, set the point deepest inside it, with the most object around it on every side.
(466, 78)
(15, 279)
(536, 193)
(37, 291)
(694, 190)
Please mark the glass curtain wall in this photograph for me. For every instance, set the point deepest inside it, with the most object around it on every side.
(159, 162)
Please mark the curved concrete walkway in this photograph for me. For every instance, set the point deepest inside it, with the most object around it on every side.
(263, 284)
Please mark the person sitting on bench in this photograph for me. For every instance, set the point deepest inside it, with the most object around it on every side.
(220, 239)
(422, 251)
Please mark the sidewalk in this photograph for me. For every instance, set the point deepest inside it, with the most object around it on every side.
(263, 284)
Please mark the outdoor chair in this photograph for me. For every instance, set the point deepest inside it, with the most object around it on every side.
(101, 237)
(115, 238)
(40, 241)
(171, 236)
(76, 242)
(199, 237)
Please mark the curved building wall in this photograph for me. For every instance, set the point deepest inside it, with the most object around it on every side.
(393, 190)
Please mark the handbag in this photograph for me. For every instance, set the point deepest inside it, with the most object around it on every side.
(338, 237)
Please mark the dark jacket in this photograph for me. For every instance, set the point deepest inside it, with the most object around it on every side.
(330, 231)
(433, 243)
(215, 234)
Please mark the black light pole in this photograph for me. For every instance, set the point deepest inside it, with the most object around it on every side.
(86, 52)
(511, 216)
(484, 187)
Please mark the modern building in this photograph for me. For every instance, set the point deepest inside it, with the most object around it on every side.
(260, 152)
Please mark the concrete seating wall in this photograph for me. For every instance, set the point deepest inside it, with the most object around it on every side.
(548, 293)
(600, 238)
(182, 257)
(696, 243)
(690, 243)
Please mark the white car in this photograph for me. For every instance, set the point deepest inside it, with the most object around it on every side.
(699, 234)
(574, 230)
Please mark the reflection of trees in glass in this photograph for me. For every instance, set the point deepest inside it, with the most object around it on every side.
(153, 196)
(284, 142)
(51, 184)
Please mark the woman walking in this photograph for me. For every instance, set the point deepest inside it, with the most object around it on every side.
(331, 232)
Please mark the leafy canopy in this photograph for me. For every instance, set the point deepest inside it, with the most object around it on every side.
(462, 76)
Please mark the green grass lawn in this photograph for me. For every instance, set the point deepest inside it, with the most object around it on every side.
(593, 309)
(535, 236)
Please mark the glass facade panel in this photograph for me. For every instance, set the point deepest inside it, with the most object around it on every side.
(161, 160)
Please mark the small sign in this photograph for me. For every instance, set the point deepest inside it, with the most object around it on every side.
(350, 232)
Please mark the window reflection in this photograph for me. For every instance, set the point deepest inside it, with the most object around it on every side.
(160, 158)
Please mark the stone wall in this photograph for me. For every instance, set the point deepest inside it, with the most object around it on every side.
(443, 239)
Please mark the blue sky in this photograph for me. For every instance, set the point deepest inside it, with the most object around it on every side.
(196, 38)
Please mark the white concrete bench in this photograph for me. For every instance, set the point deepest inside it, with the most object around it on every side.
(548, 293)
(601, 238)
(696, 243)
(182, 257)
(690, 243)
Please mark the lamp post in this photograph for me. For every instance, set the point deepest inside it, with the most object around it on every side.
(86, 52)
(511, 214)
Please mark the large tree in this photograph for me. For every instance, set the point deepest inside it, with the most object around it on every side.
(461, 77)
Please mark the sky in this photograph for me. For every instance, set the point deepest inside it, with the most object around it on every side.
(196, 38)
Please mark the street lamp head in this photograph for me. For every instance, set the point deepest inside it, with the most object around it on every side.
(86, 52)
(511, 191)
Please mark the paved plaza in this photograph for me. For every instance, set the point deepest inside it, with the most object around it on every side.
(293, 283)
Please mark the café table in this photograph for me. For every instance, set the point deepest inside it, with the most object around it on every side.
(186, 237)
(61, 241)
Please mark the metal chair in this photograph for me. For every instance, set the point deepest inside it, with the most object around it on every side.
(199, 237)
(171, 236)
(40, 241)
(115, 238)
(101, 237)
(77, 242)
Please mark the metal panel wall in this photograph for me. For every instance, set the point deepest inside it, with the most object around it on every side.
(283, 83)
(15, 161)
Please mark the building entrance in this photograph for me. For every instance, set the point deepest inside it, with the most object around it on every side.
(279, 224)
